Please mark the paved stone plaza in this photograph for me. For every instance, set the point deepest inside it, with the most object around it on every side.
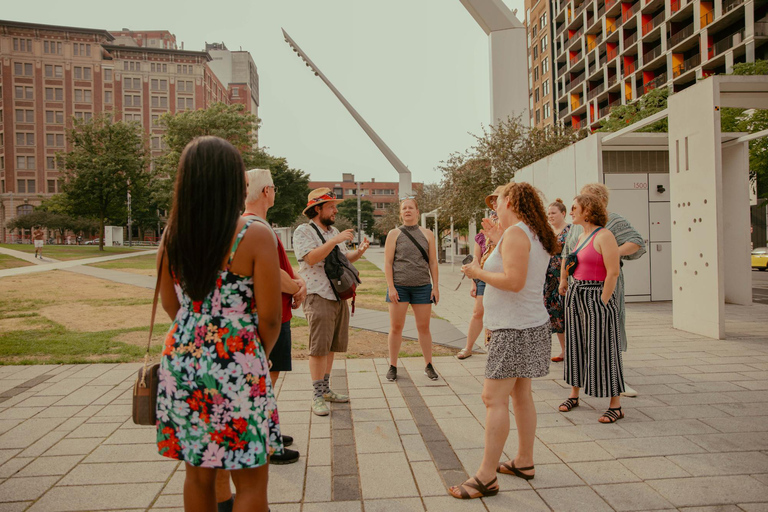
(695, 439)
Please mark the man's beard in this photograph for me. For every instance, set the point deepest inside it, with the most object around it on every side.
(327, 222)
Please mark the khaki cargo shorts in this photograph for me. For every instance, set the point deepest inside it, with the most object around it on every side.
(328, 325)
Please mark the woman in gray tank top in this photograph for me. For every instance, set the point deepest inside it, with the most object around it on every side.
(521, 339)
(410, 266)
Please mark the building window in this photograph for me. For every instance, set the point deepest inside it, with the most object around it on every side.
(132, 100)
(131, 66)
(544, 42)
(22, 45)
(536, 52)
(107, 75)
(544, 65)
(25, 162)
(24, 93)
(53, 71)
(51, 186)
(536, 97)
(158, 85)
(545, 88)
(108, 97)
(52, 47)
(547, 110)
(83, 95)
(54, 140)
(54, 117)
(235, 92)
(536, 73)
(158, 68)
(54, 94)
(25, 116)
(81, 49)
(22, 69)
(132, 83)
(25, 187)
(84, 116)
(155, 142)
(538, 116)
(82, 73)
(184, 69)
(159, 101)
(50, 163)
(185, 103)
(25, 139)
(543, 20)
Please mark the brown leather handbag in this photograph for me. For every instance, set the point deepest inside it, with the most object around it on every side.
(145, 388)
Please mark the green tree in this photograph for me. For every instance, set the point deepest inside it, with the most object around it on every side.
(232, 123)
(348, 210)
(650, 103)
(106, 156)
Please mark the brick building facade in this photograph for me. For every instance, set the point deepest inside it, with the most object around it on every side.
(380, 193)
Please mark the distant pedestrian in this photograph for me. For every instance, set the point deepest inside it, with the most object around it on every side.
(521, 337)
(38, 235)
(552, 298)
(260, 198)
(218, 271)
(592, 345)
(483, 247)
(410, 267)
(631, 247)
(327, 315)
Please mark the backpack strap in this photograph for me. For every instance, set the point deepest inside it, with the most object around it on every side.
(322, 239)
(417, 244)
(238, 239)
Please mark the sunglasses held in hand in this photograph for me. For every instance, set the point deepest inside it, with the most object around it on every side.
(466, 261)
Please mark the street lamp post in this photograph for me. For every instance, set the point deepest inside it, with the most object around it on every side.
(359, 217)
(130, 221)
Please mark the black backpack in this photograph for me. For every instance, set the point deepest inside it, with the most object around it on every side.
(343, 276)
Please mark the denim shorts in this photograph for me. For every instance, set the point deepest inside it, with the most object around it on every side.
(480, 287)
(280, 357)
(414, 294)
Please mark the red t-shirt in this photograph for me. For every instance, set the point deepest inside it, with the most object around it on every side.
(284, 265)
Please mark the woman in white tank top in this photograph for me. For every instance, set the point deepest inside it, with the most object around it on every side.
(521, 339)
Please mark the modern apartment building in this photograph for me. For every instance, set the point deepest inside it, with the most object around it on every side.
(50, 74)
(380, 193)
(541, 76)
(612, 52)
(237, 69)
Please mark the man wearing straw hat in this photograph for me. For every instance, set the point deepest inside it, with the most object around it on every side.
(328, 317)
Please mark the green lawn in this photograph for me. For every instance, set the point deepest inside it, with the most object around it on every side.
(70, 252)
(11, 262)
(147, 262)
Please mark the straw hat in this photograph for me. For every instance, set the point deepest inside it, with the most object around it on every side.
(496, 193)
(320, 196)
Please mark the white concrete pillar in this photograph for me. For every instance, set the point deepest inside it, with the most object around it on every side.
(736, 224)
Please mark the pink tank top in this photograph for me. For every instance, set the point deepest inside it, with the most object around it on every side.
(591, 266)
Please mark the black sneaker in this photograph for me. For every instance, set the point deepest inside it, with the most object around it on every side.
(430, 372)
(288, 457)
(226, 506)
(392, 373)
(287, 441)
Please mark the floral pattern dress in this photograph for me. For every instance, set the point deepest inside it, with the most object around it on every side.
(215, 404)
(552, 298)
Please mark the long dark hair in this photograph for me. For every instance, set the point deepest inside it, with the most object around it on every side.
(208, 197)
(526, 202)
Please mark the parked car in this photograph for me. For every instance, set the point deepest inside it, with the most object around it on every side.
(95, 241)
(760, 258)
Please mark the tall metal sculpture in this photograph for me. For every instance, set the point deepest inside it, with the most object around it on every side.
(509, 59)
(406, 187)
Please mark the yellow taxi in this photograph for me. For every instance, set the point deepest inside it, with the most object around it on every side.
(760, 258)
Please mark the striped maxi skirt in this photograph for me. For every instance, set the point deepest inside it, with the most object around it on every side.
(592, 341)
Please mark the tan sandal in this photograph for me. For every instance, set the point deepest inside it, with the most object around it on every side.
(463, 354)
(480, 487)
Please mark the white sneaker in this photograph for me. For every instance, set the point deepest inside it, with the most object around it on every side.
(629, 392)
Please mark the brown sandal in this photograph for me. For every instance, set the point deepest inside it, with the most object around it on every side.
(478, 486)
(510, 469)
(569, 404)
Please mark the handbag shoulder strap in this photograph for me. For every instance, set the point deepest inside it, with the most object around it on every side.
(322, 238)
(417, 244)
(585, 242)
(143, 382)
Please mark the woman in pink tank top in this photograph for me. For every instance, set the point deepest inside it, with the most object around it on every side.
(592, 340)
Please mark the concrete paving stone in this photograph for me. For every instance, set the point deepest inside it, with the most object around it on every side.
(734, 442)
(377, 437)
(706, 387)
(278, 507)
(39, 401)
(607, 431)
(336, 506)
(405, 427)
(286, 482)
(745, 424)
(437, 390)
(93, 430)
(22, 489)
(739, 409)
(169, 502)
(393, 403)
(401, 413)
(119, 473)
(20, 413)
(6, 455)
(343, 437)
(754, 507)
(363, 415)
(714, 464)
(516, 500)
(322, 431)
(71, 424)
(448, 503)
(84, 396)
(683, 412)
(65, 387)
(93, 371)
(319, 452)
(176, 484)
(363, 380)
(423, 416)
(109, 453)
(462, 433)
(714, 377)
(415, 448)
(575, 499)
(718, 368)
(132, 436)
(702, 491)
(714, 508)
(580, 452)
(603, 472)
(44, 443)
(13, 466)
(564, 434)
(666, 370)
(554, 475)
(6, 425)
(444, 400)
(655, 389)
(110, 396)
(755, 385)
(346, 488)
(294, 406)
(290, 396)
(18, 398)
(28, 432)
(89, 411)
(121, 421)
(470, 459)
(668, 428)
(649, 446)
(428, 479)
(761, 478)
(650, 468)
(59, 412)
(374, 403)
(344, 460)
(632, 496)
(450, 412)
(115, 410)
(302, 417)
(656, 379)
(385, 475)
(443, 455)
(318, 484)
(50, 466)
(747, 396)
(401, 504)
(17, 506)
(73, 447)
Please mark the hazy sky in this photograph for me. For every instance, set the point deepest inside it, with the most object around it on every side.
(416, 70)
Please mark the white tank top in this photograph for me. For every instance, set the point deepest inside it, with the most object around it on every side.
(523, 309)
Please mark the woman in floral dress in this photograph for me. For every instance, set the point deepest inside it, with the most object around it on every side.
(552, 298)
(215, 404)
